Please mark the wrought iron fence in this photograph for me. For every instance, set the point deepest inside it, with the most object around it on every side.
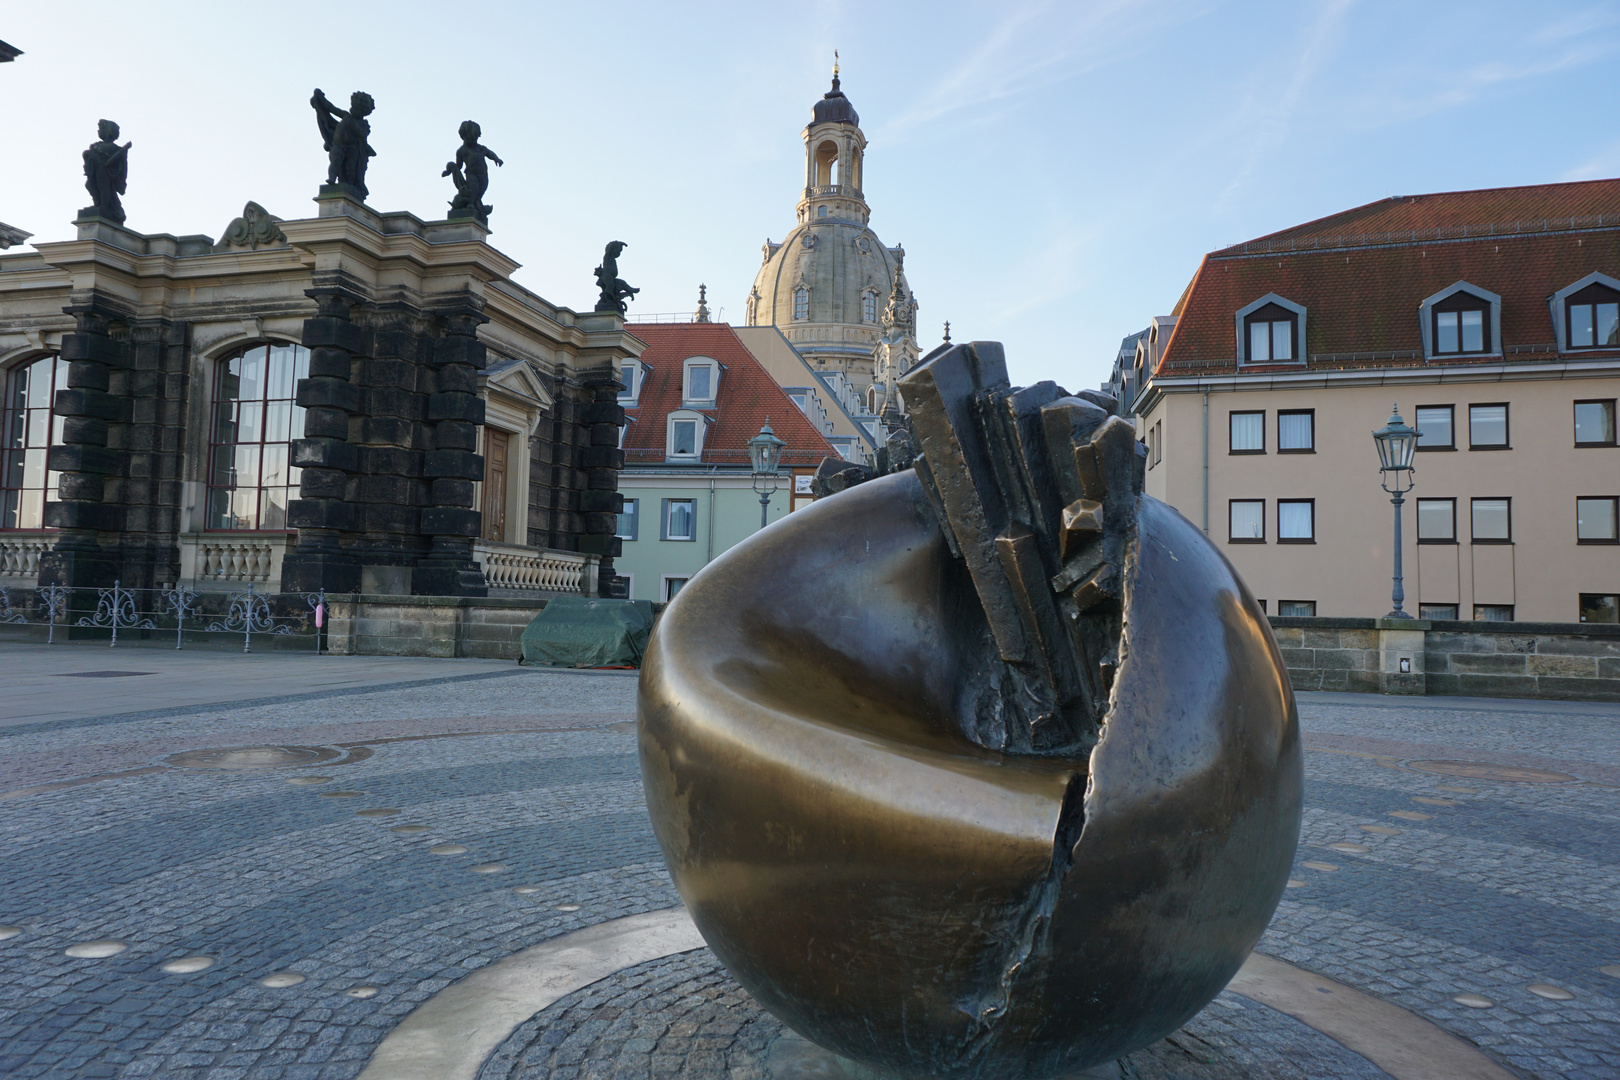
(290, 620)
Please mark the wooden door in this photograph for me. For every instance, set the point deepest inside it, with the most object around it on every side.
(495, 444)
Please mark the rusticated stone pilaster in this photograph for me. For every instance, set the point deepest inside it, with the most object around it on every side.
(600, 502)
(453, 465)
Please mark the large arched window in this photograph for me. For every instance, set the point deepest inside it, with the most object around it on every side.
(29, 427)
(250, 476)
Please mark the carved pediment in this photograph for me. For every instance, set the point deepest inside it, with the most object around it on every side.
(256, 228)
(521, 381)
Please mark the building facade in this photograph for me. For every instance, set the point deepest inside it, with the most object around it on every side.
(693, 400)
(1491, 319)
(355, 401)
(831, 286)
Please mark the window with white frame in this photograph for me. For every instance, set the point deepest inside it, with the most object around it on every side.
(629, 520)
(630, 376)
(701, 380)
(1248, 433)
(673, 585)
(801, 303)
(679, 520)
(1247, 521)
(683, 437)
(1296, 521)
(1296, 431)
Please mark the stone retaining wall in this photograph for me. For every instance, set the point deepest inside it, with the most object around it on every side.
(1566, 661)
(429, 625)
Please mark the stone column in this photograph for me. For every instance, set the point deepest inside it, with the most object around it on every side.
(154, 445)
(453, 465)
(391, 434)
(601, 503)
(84, 459)
(322, 513)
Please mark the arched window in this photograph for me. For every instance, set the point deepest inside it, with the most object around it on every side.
(801, 303)
(29, 427)
(821, 211)
(250, 477)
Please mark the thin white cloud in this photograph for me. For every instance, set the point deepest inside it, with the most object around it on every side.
(1604, 164)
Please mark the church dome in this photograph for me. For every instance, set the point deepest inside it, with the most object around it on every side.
(833, 108)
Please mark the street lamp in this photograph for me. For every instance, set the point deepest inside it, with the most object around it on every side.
(765, 452)
(1397, 444)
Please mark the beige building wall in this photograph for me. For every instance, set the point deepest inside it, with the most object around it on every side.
(1347, 570)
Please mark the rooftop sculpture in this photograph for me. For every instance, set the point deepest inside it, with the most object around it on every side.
(470, 173)
(345, 136)
(615, 290)
(106, 173)
(987, 767)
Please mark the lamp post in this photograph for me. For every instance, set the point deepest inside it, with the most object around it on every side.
(765, 453)
(1397, 444)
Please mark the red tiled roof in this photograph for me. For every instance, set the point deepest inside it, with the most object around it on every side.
(1361, 282)
(745, 398)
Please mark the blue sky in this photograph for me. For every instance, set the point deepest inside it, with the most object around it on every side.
(1055, 171)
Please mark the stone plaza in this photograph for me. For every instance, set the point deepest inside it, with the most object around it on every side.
(444, 868)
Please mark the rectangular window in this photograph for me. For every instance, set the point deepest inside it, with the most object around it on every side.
(1459, 331)
(1437, 521)
(1262, 605)
(1487, 427)
(1438, 612)
(1296, 521)
(1596, 520)
(1492, 521)
(1594, 423)
(1270, 341)
(680, 519)
(801, 303)
(1248, 433)
(1248, 521)
(683, 438)
(627, 376)
(629, 520)
(672, 586)
(1600, 607)
(1594, 325)
(1493, 612)
(1296, 431)
(698, 380)
(1434, 421)
(1296, 609)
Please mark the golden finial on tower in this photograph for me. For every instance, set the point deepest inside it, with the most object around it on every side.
(835, 63)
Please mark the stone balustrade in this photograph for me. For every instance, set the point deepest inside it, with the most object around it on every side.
(513, 568)
(232, 559)
(20, 552)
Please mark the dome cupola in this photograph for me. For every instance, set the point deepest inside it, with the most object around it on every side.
(834, 107)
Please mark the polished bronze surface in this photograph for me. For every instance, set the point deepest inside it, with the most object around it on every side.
(907, 884)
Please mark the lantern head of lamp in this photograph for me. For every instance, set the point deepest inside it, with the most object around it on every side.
(1397, 445)
(765, 451)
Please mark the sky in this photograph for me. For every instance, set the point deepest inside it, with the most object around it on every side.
(1055, 171)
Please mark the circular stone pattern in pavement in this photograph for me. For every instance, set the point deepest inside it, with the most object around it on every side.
(240, 758)
(685, 1016)
(1484, 770)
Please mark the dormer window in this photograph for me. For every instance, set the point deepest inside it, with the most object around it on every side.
(701, 377)
(1462, 320)
(1461, 324)
(869, 305)
(631, 376)
(801, 303)
(1269, 331)
(1593, 316)
(685, 435)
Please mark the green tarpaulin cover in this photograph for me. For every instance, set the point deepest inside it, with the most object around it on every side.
(578, 631)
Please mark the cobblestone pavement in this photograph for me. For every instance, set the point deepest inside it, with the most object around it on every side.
(519, 818)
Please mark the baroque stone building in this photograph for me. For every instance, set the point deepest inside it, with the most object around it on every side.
(835, 291)
(356, 401)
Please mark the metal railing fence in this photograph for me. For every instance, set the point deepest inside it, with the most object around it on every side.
(291, 620)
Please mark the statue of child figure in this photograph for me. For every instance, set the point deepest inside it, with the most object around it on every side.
(346, 136)
(106, 173)
(470, 173)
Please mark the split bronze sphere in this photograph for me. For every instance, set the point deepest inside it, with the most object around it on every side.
(853, 773)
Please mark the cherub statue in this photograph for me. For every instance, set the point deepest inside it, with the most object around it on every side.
(106, 172)
(615, 290)
(345, 135)
(470, 173)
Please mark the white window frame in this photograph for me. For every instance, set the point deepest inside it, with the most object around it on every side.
(700, 428)
(638, 375)
(1241, 333)
(1426, 321)
(663, 585)
(633, 509)
(691, 364)
(1555, 306)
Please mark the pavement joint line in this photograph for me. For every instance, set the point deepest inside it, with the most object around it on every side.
(453, 1033)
